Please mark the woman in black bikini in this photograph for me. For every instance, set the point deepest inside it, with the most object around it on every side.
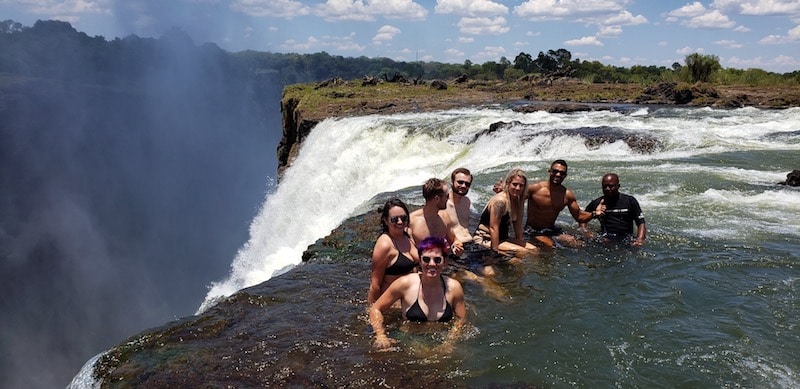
(427, 296)
(394, 254)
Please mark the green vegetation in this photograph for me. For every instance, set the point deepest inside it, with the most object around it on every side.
(53, 49)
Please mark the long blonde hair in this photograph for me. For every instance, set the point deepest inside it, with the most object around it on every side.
(516, 207)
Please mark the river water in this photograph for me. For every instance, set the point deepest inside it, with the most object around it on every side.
(711, 300)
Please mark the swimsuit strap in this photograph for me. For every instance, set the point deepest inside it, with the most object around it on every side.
(444, 289)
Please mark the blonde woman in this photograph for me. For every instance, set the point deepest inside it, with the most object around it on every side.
(504, 211)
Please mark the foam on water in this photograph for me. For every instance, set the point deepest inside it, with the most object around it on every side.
(345, 162)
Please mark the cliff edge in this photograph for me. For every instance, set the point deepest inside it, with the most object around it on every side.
(305, 105)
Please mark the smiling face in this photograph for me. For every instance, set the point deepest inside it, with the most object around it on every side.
(396, 218)
(516, 186)
(428, 261)
(558, 173)
(462, 183)
(610, 186)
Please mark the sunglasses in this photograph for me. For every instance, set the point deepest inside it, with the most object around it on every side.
(465, 183)
(557, 172)
(395, 219)
(436, 260)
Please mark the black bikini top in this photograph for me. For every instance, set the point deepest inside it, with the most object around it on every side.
(415, 314)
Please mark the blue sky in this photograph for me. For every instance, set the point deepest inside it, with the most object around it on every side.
(742, 33)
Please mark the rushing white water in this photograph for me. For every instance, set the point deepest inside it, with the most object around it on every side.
(346, 162)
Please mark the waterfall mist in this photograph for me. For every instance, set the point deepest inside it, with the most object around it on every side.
(130, 171)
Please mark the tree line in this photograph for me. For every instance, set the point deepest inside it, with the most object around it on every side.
(54, 49)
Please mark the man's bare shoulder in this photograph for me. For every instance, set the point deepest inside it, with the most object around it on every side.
(537, 187)
(569, 194)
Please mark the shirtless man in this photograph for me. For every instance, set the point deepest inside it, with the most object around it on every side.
(546, 199)
(458, 204)
(432, 219)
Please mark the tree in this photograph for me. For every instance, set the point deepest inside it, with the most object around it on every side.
(555, 61)
(524, 61)
(702, 67)
(9, 26)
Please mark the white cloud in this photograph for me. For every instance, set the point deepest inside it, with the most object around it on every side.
(585, 41)
(774, 40)
(466, 39)
(368, 10)
(272, 8)
(341, 43)
(610, 31)
(293, 45)
(663, 43)
(483, 26)
(385, 34)
(67, 7)
(688, 11)
(625, 18)
(782, 63)
(558, 9)
(729, 44)
(686, 50)
(794, 34)
(713, 19)
(470, 7)
(453, 53)
(770, 7)
(741, 29)
(531, 33)
(491, 53)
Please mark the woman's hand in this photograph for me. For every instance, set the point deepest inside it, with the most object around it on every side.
(383, 342)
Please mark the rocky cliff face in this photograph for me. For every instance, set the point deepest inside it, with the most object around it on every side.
(295, 128)
(345, 98)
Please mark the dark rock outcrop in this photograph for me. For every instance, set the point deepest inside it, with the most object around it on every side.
(267, 336)
(792, 179)
(594, 137)
(679, 93)
(438, 85)
(295, 130)
(554, 107)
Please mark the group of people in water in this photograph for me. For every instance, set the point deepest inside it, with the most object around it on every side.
(413, 249)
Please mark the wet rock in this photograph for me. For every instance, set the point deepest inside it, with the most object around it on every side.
(792, 179)
(594, 137)
(554, 107)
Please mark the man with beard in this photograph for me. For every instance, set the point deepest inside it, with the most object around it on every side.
(431, 219)
(546, 199)
(621, 213)
(458, 204)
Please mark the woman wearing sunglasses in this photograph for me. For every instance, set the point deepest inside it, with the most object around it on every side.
(427, 296)
(394, 254)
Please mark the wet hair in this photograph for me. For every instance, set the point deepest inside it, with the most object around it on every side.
(461, 170)
(432, 187)
(517, 207)
(559, 162)
(434, 242)
(385, 213)
(516, 172)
